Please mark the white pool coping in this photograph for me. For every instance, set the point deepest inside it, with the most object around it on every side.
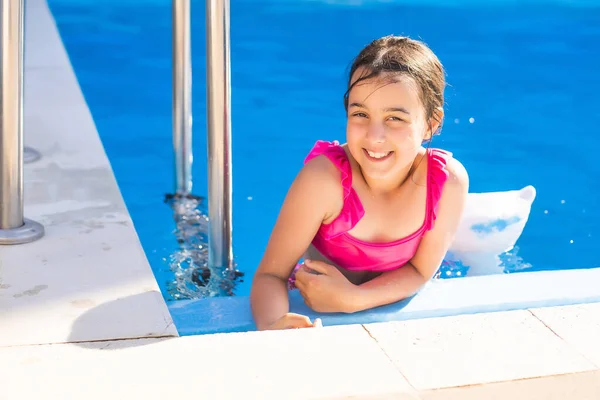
(88, 278)
(81, 315)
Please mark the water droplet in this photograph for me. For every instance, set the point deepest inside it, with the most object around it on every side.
(471, 120)
(456, 120)
(448, 273)
(571, 241)
(458, 273)
(545, 211)
(562, 202)
(249, 197)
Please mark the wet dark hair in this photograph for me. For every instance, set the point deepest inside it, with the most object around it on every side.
(394, 56)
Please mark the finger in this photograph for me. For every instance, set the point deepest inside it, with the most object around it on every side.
(299, 321)
(303, 277)
(302, 293)
(306, 299)
(317, 266)
(300, 284)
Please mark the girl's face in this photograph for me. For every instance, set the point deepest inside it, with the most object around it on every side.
(386, 126)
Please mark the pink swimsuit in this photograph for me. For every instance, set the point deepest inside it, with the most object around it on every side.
(333, 240)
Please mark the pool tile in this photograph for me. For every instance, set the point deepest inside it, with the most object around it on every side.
(473, 349)
(306, 364)
(578, 325)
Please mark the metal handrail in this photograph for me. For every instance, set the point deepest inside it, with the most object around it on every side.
(182, 97)
(220, 254)
(218, 82)
(14, 228)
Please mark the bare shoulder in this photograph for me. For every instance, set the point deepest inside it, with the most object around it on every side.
(321, 173)
(458, 176)
(320, 178)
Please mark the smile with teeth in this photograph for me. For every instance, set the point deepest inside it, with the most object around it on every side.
(377, 155)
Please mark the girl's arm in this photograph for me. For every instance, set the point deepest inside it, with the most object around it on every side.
(313, 197)
(393, 286)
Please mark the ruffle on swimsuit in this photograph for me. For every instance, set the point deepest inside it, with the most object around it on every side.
(333, 239)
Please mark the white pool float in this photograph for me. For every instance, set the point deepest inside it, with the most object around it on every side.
(491, 225)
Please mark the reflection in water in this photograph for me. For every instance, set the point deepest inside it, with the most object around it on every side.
(193, 278)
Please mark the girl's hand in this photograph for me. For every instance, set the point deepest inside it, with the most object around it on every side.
(324, 288)
(295, 321)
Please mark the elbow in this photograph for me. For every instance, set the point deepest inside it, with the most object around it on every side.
(420, 280)
(260, 282)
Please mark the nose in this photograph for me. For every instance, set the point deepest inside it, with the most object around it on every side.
(376, 132)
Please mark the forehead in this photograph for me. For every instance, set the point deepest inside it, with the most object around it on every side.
(386, 87)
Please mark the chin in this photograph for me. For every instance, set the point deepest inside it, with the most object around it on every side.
(376, 175)
(374, 171)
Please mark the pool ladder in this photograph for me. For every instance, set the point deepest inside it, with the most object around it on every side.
(16, 229)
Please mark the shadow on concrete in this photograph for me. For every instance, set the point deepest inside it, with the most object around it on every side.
(108, 326)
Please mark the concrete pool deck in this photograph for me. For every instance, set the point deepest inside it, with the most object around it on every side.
(81, 315)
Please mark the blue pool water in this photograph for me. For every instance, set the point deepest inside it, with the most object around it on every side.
(526, 74)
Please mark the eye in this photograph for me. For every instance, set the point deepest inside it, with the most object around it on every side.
(359, 115)
(392, 118)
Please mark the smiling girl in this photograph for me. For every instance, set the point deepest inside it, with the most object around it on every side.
(374, 217)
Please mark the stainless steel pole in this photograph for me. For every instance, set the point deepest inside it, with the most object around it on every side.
(14, 228)
(182, 96)
(219, 133)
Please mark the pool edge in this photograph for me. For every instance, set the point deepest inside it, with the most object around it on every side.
(88, 273)
(440, 298)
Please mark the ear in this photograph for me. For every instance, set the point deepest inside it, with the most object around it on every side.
(434, 123)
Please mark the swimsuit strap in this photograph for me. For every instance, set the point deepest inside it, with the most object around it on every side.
(352, 210)
(437, 175)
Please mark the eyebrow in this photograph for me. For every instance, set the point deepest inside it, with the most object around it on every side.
(399, 109)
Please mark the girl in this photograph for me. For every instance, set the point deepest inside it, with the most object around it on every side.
(373, 217)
